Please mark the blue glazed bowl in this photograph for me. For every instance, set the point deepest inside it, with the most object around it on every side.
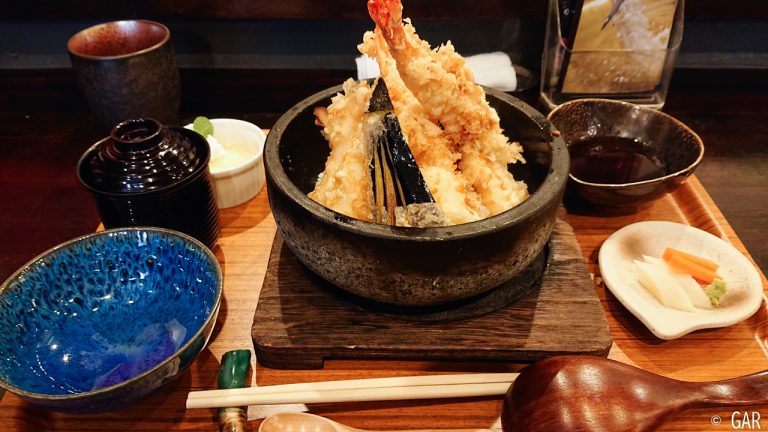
(106, 318)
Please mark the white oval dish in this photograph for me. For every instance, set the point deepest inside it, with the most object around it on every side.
(745, 289)
(244, 180)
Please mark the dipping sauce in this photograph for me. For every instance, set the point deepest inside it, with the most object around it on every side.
(614, 160)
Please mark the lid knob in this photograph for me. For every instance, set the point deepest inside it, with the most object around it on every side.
(138, 134)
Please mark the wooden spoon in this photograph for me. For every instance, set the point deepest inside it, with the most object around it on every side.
(596, 394)
(304, 422)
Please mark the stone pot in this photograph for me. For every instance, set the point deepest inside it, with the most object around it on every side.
(413, 266)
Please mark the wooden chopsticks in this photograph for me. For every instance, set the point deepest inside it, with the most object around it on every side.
(378, 389)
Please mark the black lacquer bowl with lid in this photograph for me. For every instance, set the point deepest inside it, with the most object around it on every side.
(147, 174)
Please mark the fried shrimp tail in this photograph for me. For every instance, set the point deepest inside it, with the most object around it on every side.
(388, 15)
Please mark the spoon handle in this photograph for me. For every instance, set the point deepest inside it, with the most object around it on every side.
(444, 430)
(746, 390)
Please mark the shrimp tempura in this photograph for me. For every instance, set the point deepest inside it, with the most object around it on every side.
(444, 85)
(433, 152)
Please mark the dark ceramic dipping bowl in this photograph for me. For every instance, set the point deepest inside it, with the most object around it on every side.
(676, 148)
(106, 318)
(413, 266)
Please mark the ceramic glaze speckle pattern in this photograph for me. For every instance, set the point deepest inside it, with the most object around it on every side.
(106, 308)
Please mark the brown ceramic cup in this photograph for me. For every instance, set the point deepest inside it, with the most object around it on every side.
(126, 70)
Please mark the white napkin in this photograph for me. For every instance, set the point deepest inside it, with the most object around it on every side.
(490, 69)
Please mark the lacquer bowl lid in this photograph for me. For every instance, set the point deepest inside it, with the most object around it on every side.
(142, 155)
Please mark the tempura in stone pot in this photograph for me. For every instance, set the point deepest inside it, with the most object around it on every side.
(445, 124)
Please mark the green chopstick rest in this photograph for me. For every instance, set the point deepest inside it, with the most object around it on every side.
(233, 373)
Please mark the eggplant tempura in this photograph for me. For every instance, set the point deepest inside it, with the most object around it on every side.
(453, 134)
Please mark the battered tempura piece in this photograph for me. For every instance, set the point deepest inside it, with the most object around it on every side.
(453, 133)
(346, 185)
(434, 154)
(441, 81)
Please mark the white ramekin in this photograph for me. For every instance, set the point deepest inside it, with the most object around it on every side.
(239, 184)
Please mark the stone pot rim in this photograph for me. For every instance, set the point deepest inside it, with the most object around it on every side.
(550, 189)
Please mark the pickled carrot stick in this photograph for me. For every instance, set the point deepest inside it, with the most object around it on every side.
(711, 265)
(683, 265)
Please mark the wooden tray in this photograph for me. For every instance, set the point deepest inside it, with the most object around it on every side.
(702, 355)
(301, 320)
(244, 251)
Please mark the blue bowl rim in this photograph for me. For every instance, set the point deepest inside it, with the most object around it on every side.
(84, 395)
(683, 172)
